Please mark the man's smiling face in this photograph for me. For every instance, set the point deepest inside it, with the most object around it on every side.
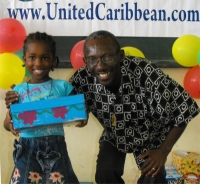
(103, 61)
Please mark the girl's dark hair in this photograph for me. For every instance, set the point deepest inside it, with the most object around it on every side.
(41, 37)
(103, 34)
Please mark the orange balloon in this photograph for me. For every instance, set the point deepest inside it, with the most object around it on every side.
(192, 82)
(76, 55)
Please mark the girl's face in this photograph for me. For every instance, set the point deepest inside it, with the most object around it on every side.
(39, 60)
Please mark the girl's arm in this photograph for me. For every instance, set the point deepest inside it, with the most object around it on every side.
(8, 125)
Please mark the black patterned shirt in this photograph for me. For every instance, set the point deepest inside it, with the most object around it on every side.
(146, 107)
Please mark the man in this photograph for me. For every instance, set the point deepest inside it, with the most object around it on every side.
(142, 110)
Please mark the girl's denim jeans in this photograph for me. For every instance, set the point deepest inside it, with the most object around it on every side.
(42, 160)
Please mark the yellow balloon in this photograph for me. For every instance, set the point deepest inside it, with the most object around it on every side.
(132, 51)
(11, 70)
(185, 50)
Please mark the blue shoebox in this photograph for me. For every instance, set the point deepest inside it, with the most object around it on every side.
(172, 176)
(53, 111)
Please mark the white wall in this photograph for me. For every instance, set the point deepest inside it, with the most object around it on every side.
(83, 142)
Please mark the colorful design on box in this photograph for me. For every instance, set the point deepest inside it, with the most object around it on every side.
(172, 176)
(47, 112)
(186, 162)
(59, 112)
(28, 117)
(191, 179)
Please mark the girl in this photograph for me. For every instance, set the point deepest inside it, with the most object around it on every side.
(40, 155)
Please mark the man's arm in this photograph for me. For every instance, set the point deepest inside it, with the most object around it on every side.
(156, 158)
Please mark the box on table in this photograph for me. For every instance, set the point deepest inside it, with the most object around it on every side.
(52, 111)
(172, 176)
(186, 162)
(191, 179)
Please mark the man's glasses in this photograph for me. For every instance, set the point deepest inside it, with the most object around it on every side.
(106, 59)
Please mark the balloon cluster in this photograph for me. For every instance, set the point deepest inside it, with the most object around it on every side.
(12, 35)
(186, 52)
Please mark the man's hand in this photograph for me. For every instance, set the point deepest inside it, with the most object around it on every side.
(155, 160)
(82, 123)
(8, 125)
(11, 98)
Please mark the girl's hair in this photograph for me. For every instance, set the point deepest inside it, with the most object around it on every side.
(41, 37)
(103, 34)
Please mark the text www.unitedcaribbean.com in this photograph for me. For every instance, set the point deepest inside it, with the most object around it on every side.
(101, 12)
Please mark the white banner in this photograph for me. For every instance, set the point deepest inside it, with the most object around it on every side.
(140, 18)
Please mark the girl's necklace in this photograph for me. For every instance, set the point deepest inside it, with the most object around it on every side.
(28, 91)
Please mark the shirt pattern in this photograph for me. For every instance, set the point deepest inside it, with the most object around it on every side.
(148, 104)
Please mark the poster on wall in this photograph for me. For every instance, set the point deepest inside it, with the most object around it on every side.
(151, 26)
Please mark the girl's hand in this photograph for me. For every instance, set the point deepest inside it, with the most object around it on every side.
(14, 132)
(11, 98)
(8, 124)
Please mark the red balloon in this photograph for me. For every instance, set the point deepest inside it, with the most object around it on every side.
(76, 55)
(192, 82)
(12, 35)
